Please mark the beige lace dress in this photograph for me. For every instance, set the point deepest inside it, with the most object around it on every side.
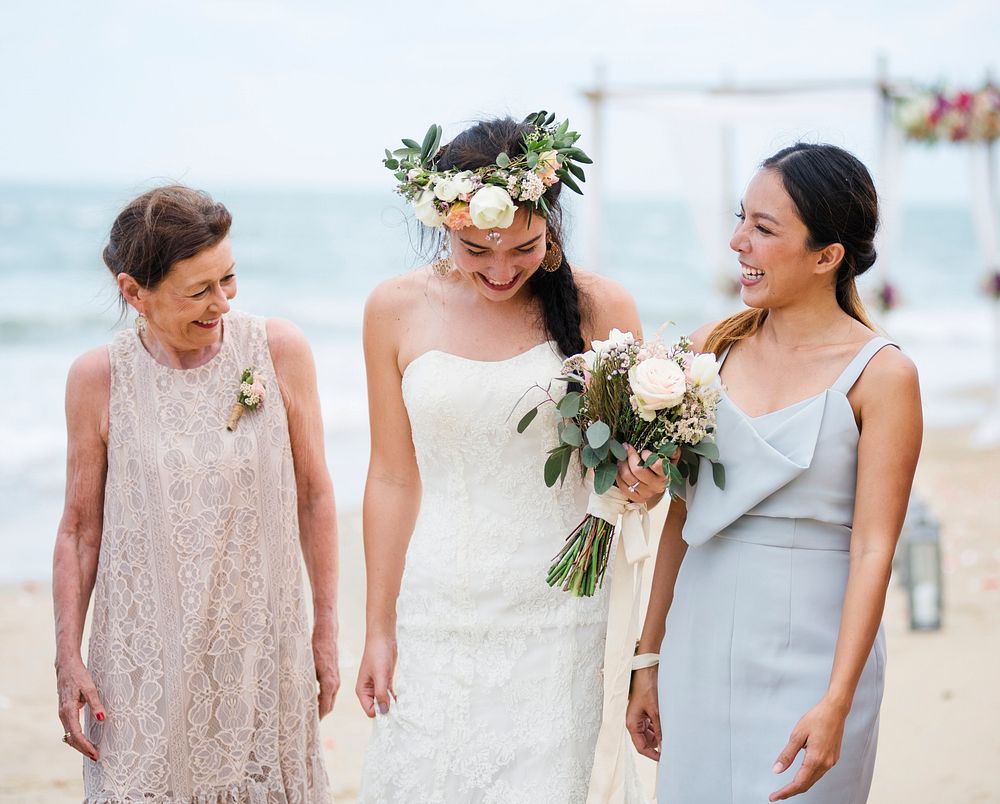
(200, 640)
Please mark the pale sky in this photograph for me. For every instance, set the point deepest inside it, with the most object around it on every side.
(308, 93)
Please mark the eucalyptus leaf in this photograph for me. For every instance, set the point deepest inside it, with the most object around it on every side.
(589, 457)
(719, 475)
(693, 467)
(604, 477)
(603, 450)
(569, 405)
(503, 160)
(563, 128)
(412, 144)
(618, 450)
(567, 456)
(571, 435)
(527, 419)
(553, 467)
(532, 160)
(674, 473)
(598, 434)
(707, 449)
(576, 170)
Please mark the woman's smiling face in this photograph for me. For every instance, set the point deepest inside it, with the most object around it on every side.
(185, 310)
(776, 262)
(499, 268)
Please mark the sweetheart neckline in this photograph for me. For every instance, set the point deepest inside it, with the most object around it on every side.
(475, 360)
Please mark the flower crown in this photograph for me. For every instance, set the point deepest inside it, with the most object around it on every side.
(485, 197)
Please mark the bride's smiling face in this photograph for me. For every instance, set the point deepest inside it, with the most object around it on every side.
(500, 269)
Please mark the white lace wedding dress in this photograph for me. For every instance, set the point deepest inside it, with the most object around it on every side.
(498, 678)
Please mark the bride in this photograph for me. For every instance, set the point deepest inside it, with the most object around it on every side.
(485, 684)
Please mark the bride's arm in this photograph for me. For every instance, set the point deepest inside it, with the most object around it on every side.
(392, 496)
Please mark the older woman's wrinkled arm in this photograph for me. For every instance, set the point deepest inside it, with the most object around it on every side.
(78, 539)
(296, 370)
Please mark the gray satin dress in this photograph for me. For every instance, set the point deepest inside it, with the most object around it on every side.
(752, 629)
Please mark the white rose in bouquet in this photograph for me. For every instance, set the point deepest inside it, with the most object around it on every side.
(426, 211)
(492, 208)
(704, 370)
(615, 338)
(656, 384)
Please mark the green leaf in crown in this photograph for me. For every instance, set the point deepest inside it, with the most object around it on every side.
(449, 197)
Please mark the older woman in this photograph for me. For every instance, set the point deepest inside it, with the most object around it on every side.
(185, 521)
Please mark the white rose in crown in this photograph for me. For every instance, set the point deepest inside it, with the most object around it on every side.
(615, 338)
(462, 183)
(445, 190)
(704, 370)
(491, 208)
(656, 384)
(425, 210)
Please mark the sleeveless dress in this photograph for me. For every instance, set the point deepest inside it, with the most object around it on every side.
(751, 631)
(498, 679)
(200, 642)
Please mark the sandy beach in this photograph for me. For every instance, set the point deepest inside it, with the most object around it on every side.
(938, 745)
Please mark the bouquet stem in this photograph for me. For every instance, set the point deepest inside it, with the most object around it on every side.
(579, 567)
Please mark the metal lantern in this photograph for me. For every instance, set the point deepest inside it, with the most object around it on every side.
(921, 565)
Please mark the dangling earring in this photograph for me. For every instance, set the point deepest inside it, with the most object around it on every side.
(140, 324)
(442, 265)
(552, 260)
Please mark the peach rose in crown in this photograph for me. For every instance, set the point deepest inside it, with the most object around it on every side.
(656, 383)
(458, 216)
(548, 164)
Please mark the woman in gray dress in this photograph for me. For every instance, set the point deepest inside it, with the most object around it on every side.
(767, 598)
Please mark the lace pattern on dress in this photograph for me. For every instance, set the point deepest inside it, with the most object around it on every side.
(498, 677)
(200, 641)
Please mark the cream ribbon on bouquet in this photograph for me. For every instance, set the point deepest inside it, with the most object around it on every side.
(631, 523)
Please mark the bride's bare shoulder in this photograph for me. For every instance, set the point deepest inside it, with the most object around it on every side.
(606, 304)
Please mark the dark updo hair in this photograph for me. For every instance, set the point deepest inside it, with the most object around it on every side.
(159, 229)
(556, 291)
(835, 197)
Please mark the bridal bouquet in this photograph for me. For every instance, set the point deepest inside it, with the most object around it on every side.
(647, 394)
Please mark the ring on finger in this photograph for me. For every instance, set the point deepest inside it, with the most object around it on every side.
(633, 487)
(65, 737)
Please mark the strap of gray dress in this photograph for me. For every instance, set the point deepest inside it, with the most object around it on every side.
(850, 375)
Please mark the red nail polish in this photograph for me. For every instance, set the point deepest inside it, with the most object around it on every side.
(100, 715)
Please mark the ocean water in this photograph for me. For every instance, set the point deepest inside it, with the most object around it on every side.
(313, 258)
